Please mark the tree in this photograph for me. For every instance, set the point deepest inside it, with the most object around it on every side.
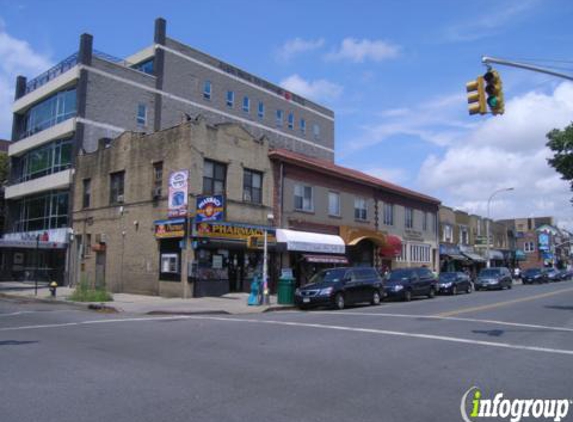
(561, 143)
(4, 162)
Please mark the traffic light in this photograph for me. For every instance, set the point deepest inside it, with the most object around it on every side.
(476, 96)
(494, 92)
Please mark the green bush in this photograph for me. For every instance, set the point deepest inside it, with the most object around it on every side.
(85, 293)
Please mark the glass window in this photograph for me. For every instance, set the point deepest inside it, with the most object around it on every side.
(214, 178)
(252, 186)
(261, 110)
(246, 105)
(230, 98)
(87, 193)
(316, 131)
(169, 263)
(388, 218)
(303, 126)
(49, 158)
(207, 90)
(425, 221)
(146, 66)
(116, 187)
(334, 204)
(409, 220)
(49, 112)
(360, 209)
(157, 179)
(141, 115)
(42, 212)
(279, 118)
(291, 121)
(303, 198)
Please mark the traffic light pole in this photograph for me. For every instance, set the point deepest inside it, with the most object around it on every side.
(492, 60)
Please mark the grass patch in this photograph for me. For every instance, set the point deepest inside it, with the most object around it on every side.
(86, 293)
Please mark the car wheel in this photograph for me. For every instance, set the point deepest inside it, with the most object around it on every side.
(375, 298)
(432, 293)
(454, 290)
(509, 286)
(339, 301)
(407, 296)
(469, 289)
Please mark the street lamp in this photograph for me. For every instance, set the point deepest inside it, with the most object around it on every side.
(266, 298)
(487, 222)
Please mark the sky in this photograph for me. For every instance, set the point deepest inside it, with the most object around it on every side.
(393, 72)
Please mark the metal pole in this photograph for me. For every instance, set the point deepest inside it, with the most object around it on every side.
(488, 60)
(265, 272)
(36, 266)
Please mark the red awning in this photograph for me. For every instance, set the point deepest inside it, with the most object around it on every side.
(326, 259)
(392, 248)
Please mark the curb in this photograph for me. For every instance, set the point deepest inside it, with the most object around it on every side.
(278, 308)
(81, 305)
(188, 313)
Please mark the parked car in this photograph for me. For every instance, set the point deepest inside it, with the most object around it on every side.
(406, 283)
(454, 282)
(493, 278)
(534, 275)
(566, 274)
(553, 274)
(339, 287)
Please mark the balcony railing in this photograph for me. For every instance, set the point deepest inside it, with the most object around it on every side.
(52, 73)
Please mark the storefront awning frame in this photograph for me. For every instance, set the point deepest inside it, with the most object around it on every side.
(299, 241)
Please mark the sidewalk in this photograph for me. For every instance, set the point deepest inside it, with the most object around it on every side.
(231, 304)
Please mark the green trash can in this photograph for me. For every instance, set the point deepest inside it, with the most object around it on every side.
(285, 294)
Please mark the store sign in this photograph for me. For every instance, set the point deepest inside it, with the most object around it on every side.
(233, 231)
(210, 208)
(178, 192)
(168, 229)
(413, 235)
(53, 235)
(449, 250)
(543, 241)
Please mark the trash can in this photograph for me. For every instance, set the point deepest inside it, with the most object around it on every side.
(285, 292)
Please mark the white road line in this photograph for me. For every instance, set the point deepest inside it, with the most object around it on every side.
(307, 325)
(436, 317)
(16, 313)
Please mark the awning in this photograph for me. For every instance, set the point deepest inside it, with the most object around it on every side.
(520, 255)
(497, 255)
(456, 257)
(392, 248)
(353, 236)
(474, 257)
(326, 259)
(299, 241)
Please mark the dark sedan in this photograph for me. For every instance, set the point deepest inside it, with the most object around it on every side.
(454, 282)
(494, 278)
(534, 275)
(338, 287)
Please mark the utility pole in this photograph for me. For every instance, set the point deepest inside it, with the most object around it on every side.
(493, 60)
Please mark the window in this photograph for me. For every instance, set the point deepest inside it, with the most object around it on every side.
(246, 105)
(141, 115)
(279, 118)
(291, 121)
(420, 253)
(529, 247)
(388, 218)
(316, 131)
(214, 178)
(86, 199)
(464, 235)
(169, 263)
(252, 186)
(51, 111)
(425, 221)
(116, 187)
(303, 198)
(334, 204)
(42, 212)
(230, 99)
(303, 126)
(409, 221)
(88, 244)
(207, 90)
(360, 209)
(447, 233)
(47, 159)
(145, 66)
(261, 110)
(157, 179)
(404, 254)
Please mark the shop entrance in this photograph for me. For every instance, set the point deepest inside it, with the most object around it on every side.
(362, 254)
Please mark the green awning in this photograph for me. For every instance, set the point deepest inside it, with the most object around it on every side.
(520, 255)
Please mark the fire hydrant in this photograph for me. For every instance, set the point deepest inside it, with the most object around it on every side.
(53, 287)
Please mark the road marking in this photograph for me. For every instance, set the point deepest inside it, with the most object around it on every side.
(16, 313)
(91, 322)
(500, 304)
(445, 318)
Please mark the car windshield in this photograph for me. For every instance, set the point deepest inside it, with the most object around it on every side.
(398, 275)
(532, 271)
(329, 276)
(447, 276)
(489, 273)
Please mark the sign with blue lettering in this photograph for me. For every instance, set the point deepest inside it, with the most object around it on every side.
(210, 208)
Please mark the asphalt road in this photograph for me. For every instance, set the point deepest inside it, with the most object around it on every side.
(393, 362)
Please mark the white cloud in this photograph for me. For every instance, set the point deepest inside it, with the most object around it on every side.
(17, 57)
(393, 175)
(358, 51)
(319, 90)
(296, 46)
(507, 151)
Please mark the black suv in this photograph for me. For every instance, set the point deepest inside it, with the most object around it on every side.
(405, 283)
(493, 278)
(338, 287)
(534, 275)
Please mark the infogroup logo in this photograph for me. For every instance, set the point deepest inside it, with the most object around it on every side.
(513, 409)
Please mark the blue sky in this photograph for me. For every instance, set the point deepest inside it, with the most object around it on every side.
(394, 72)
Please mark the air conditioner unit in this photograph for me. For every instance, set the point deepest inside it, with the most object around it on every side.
(156, 192)
(120, 199)
(100, 238)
